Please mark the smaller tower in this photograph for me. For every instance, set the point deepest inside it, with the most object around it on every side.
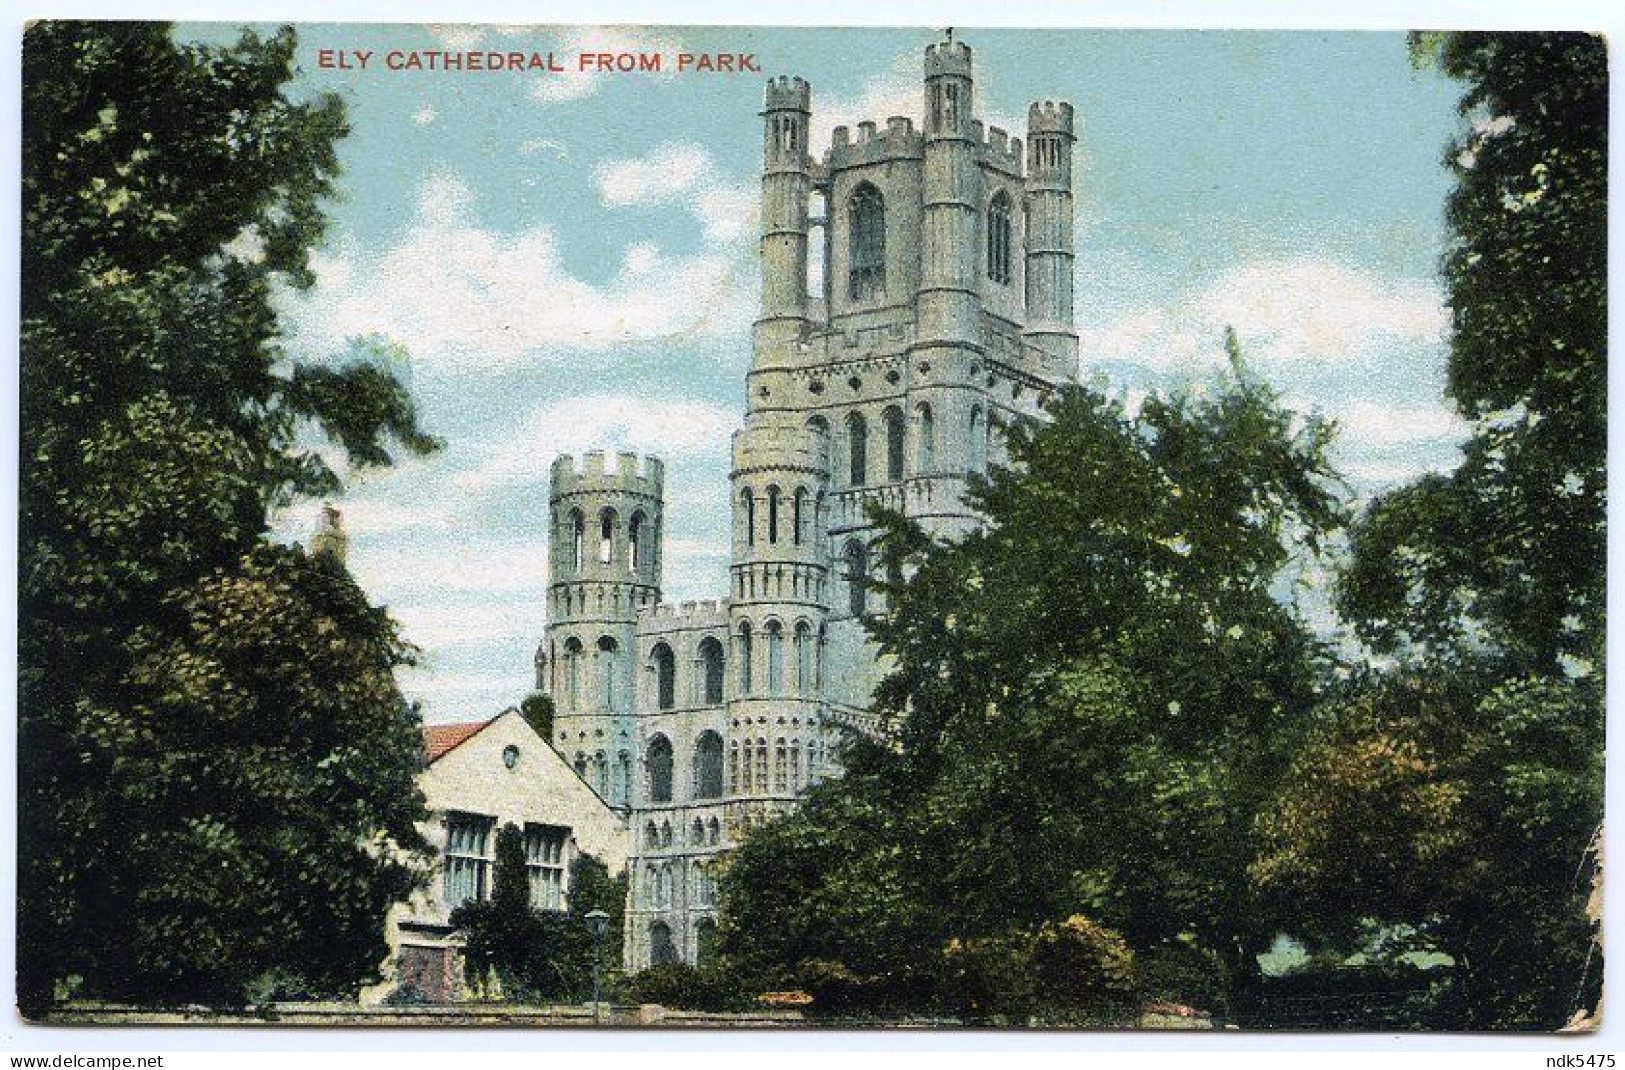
(330, 539)
(786, 185)
(777, 610)
(604, 565)
(1050, 254)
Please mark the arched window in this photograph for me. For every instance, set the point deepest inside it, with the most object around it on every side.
(857, 449)
(581, 765)
(733, 766)
(572, 670)
(746, 684)
(795, 765)
(606, 536)
(651, 835)
(705, 936)
(781, 766)
(867, 212)
(978, 440)
(998, 239)
(927, 434)
(665, 676)
(665, 834)
(708, 766)
(894, 443)
(747, 509)
(634, 542)
(857, 572)
(600, 766)
(775, 658)
(541, 670)
(747, 773)
(713, 831)
(761, 764)
(578, 534)
(660, 769)
(623, 775)
(607, 649)
(662, 952)
(804, 658)
(798, 515)
(711, 662)
(773, 514)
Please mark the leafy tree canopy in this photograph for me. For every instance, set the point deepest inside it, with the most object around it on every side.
(211, 740)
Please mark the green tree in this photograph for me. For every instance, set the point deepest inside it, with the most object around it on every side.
(533, 954)
(1090, 699)
(537, 710)
(210, 737)
(1468, 782)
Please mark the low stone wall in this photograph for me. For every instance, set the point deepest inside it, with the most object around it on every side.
(482, 1015)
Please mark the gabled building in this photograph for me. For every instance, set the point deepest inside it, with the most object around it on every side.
(479, 776)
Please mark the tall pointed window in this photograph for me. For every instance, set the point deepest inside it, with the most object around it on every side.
(665, 663)
(857, 572)
(747, 508)
(634, 542)
(607, 649)
(606, 536)
(798, 515)
(773, 514)
(857, 449)
(578, 534)
(711, 665)
(926, 448)
(572, 670)
(998, 239)
(867, 277)
(775, 658)
(660, 769)
(746, 684)
(707, 767)
(978, 439)
(895, 443)
(804, 656)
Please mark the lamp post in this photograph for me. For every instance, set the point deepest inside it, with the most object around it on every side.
(598, 925)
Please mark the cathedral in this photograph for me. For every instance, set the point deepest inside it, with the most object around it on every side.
(944, 311)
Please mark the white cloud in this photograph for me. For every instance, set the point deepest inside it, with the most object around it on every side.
(531, 146)
(425, 115)
(474, 299)
(668, 429)
(574, 83)
(685, 174)
(1378, 426)
(671, 171)
(1290, 312)
(515, 571)
(442, 624)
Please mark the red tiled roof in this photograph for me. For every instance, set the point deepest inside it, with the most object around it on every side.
(440, 738)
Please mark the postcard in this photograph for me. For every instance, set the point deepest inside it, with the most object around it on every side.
(775, 526)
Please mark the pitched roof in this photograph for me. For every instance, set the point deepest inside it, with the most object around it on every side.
(440, 738)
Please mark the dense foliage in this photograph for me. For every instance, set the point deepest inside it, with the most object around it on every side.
(1091, 699)
(1454, 798)
(216, 789)
(525, 955)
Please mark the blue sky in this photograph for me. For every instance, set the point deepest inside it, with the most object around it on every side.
(570, 261)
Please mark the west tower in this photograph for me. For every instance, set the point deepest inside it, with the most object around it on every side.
(605, 518)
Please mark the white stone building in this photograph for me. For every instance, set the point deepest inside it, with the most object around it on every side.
(944, 312)
(478, 777)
